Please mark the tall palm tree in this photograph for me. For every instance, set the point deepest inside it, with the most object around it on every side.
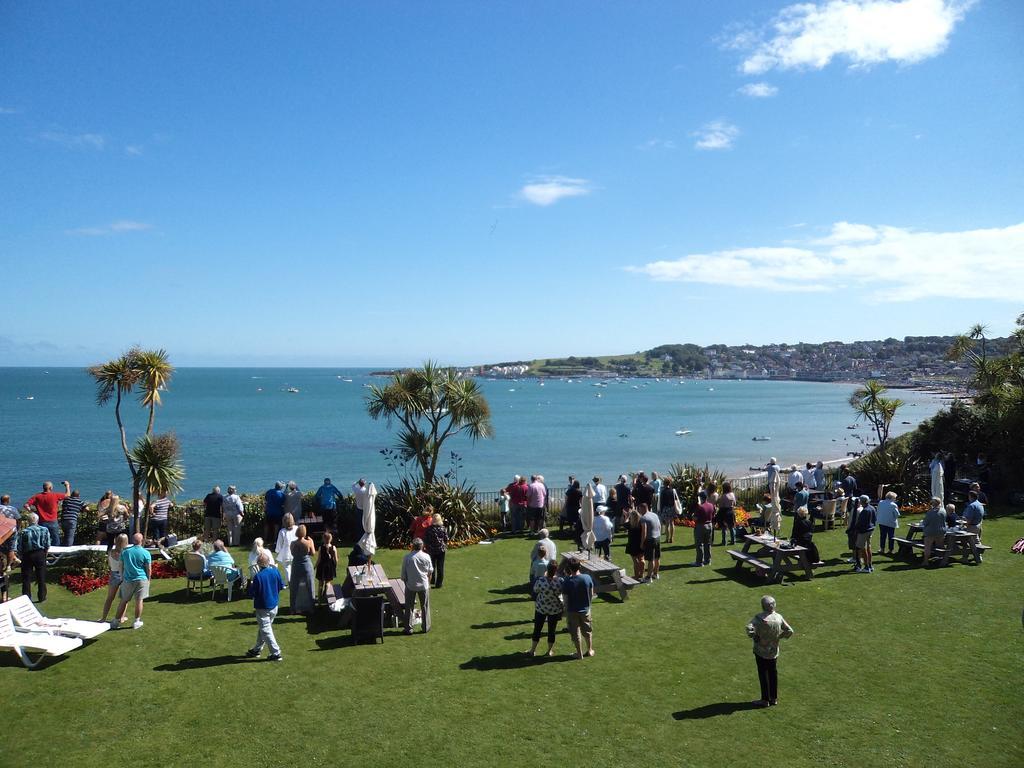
(159, 466)
(155, 373)
(114, 380)
(432, 404)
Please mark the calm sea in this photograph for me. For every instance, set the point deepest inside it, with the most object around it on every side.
(242, 426)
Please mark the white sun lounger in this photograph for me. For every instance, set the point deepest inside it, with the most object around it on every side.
(27, 616)
(55, 554)
(29, 644)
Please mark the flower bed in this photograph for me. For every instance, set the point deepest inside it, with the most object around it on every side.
(83, 583)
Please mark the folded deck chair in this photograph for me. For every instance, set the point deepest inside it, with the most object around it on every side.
(27, 616)
(29, 644)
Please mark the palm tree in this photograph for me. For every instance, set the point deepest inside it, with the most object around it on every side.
(155, 373)
(159, 466)
(114, 380)
(432, 404)
(870, 403)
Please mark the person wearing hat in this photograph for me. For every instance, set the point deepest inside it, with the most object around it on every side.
(867, 518)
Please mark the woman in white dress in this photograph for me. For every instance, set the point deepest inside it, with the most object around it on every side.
(285, 537)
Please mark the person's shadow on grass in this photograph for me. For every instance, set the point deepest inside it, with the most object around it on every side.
(516, 660)
(714, 710)
(197, 663)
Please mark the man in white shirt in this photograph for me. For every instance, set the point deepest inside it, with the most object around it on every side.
(808, 477)
(795, 476)
(359, 490)
(549, 546)
(600, 493)
(416, 572)
(234, 510)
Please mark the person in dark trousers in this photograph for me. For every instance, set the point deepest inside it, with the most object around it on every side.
(803, 533)
(435, 542)
(766, 629)
(33, 543)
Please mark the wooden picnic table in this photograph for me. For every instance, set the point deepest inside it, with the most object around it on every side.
(784, 557)
(958, 542)
(372, 580)
(607, 576)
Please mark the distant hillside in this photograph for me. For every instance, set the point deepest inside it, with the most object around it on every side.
(917, 360)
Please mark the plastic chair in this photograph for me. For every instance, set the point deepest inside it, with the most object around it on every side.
(195, 573)
(222, 579)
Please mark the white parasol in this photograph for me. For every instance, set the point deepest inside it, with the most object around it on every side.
(587, 518)
(368, 542)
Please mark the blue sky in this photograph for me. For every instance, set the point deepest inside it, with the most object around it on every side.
(378, 183)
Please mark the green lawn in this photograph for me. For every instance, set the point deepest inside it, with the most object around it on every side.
(900, 668)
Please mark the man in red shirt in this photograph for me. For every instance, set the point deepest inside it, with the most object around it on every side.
(519, 494)
(46, 505)
(703, 528)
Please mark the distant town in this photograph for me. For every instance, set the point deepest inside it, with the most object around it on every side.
(914, 361)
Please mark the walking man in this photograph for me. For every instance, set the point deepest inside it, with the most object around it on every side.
(766, 629)
(33, 542)
(416, 572)
(578, 589)
(136, 571)
(45, 504)
(265, 589)
(327, 498)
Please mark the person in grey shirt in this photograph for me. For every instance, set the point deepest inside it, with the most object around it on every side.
(766, 629)
(416, 572)
(650, 542)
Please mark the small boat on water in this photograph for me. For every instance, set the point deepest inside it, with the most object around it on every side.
(760, 438)
(684, 431)
(852, 426)
(597, 394)
(292, 390)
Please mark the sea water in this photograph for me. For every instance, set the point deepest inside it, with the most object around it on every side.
(244, 427)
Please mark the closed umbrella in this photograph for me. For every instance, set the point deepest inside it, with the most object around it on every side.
(587, 519)
(368, 542)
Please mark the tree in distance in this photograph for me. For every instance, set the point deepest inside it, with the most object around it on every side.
(871, 404)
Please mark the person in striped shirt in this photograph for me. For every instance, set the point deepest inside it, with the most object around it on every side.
(158, 517)
(71, 508)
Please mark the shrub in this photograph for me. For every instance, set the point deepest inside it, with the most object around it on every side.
(397, 505)
(897, 467)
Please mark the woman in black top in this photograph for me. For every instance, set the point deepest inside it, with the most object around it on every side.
(803, 531)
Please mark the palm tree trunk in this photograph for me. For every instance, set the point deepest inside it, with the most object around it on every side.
(149, 497)
(152, 416)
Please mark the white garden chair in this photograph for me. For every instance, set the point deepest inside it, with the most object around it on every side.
(29, 644)
(222, 579)
(26, 616)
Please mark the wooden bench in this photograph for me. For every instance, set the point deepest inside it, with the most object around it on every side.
(742, 558)
(628, 581)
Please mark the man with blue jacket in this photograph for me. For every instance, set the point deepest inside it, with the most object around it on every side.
(264, 589)
(327, 498)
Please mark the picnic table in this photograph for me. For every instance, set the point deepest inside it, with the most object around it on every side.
(958, 542)
(366, 581)
(607, 576)
(774, 558)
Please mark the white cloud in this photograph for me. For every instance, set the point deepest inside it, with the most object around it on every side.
(75, 140)
(864, 32)
(10, 110)
(891, 263)
(717, 134)
(133, 149)
(759, 90)
(658, 144)
(114, 228)
(547, 190)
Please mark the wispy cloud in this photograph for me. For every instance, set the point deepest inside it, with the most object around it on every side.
(894, 263)
(759, 90)
(652, 144)
(864, 32)
(547, 190)
(718, 134)
(10, 110)
(133, 149)
(75, 140)
(115, 228)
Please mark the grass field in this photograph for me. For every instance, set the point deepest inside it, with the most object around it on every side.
(899, 668)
